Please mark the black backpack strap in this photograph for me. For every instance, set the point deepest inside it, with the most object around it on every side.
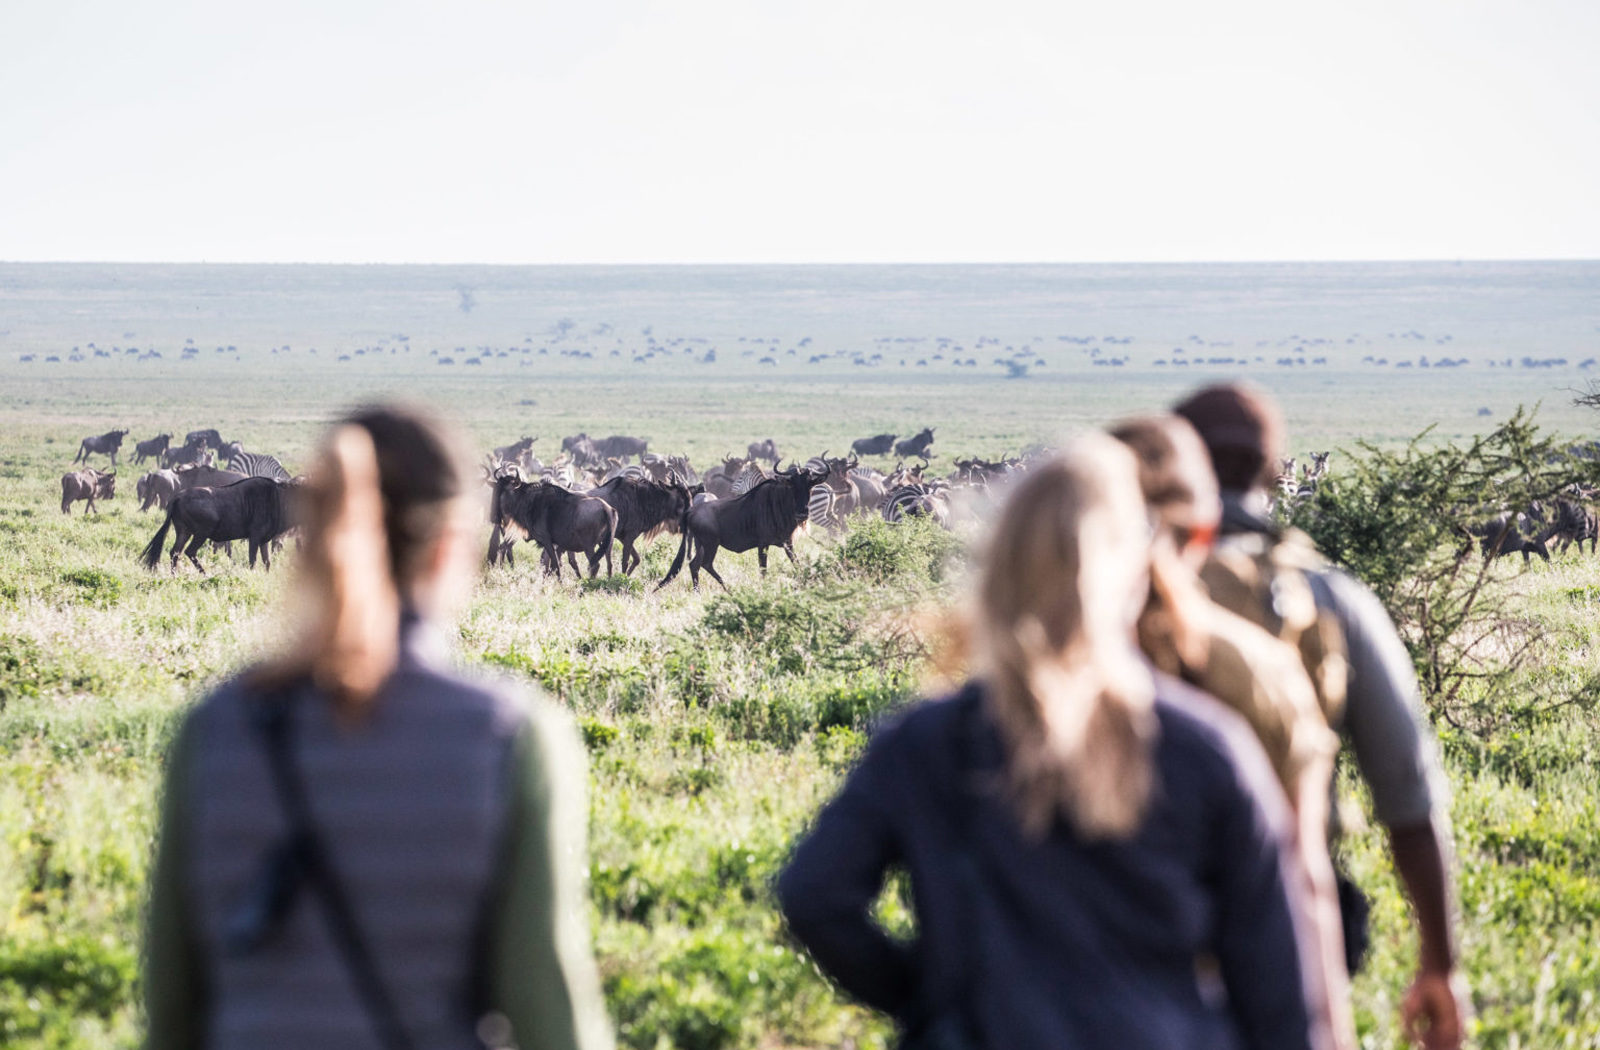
(274, 721)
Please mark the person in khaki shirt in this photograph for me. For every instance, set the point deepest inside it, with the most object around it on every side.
(1187, 635)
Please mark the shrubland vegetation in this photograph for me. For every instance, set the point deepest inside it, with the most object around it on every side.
(717, 722)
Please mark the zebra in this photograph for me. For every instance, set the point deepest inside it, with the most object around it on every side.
(749, 476)
(822, 509)
(257, 465)
(915, 501)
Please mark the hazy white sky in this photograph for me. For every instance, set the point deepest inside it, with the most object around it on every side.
(824, 130)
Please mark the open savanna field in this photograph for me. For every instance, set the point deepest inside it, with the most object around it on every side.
(716, 722)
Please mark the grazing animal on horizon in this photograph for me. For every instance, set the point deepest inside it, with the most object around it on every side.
(559, 521)
(645, 509)
(766, 516)
(151, 449)
(255, 509)
(87, 484)
(157, 489)
(917, 445)
(105, 444)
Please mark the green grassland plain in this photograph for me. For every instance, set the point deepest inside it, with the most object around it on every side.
(716, 723)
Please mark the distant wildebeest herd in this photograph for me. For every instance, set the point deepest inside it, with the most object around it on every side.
(600, 492)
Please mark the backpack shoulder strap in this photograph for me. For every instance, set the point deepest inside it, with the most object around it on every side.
(273, 720)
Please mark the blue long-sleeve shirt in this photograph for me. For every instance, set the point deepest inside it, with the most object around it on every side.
(1060, 942)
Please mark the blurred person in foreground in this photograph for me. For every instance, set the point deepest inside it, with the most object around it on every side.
(358, 846)
(1090, 845)
(1187, 635)
(1364, 677)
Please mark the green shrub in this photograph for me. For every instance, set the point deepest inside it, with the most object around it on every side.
(94, 586)
(597, 736)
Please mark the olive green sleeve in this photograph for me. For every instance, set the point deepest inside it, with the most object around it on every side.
(174, 975)
(542, 973)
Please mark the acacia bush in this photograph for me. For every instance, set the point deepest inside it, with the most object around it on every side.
(1399, 520)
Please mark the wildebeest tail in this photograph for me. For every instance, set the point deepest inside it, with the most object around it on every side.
(152, 553)
(683, 550)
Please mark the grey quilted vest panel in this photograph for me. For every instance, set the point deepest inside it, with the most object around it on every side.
(412, 804)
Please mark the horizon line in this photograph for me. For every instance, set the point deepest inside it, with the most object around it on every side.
(1442, 260)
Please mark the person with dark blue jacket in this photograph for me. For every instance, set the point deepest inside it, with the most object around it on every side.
(1098, 855)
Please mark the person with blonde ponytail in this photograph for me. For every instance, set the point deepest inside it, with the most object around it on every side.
(1098, 855)
(360, 847)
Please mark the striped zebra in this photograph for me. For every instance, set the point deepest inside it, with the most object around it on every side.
(822, 509)
(257, 465)
(915, 501)
(749, 476)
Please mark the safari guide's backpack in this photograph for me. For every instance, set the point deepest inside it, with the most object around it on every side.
(1264, 577)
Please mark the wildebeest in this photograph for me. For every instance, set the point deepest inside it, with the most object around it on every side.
(766, 516)
(615, 445)
(255, 509)
(1573, 523)
(917, 445)
(513, 452)
(557, 520)
(764, 450)
(644, 510)
(1502, 535)
(152, 449)
(877, 445)
(157, 489)
(187, 455)
(87, 484)
(210, 477)
(205, 437)
(105, 444)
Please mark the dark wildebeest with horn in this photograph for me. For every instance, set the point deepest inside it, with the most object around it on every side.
(559, 521)
(87, 484)
(916, 446)
(208, 436)
(764, 450)
(152, 449)
(766, 516)
(644, 509)
(105, 444)
(877, 445)
(255, 509)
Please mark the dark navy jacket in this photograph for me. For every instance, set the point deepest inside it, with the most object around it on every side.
(1058, 943)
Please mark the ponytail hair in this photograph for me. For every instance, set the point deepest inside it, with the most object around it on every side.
(1064, 576)
(356, 645)
(379, 496)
